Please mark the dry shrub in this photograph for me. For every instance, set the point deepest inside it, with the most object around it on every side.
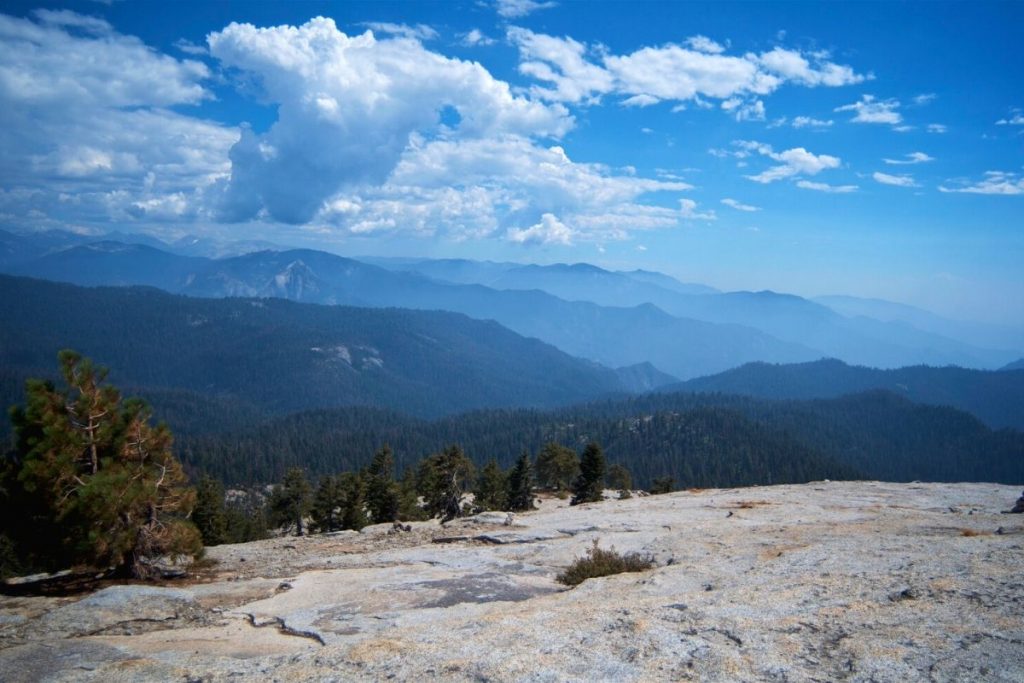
(601, 562)
(974, 532)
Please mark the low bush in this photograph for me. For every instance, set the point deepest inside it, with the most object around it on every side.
(601, 562)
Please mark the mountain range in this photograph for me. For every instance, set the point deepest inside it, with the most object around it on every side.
(279, 356)
(614, 318)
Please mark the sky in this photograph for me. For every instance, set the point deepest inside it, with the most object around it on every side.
(871, 149)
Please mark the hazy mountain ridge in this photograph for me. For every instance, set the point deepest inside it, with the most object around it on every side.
(614, 318)
(612, 336)
(281, 356)
(997, 397)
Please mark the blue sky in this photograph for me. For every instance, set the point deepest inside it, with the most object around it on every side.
(872, 149)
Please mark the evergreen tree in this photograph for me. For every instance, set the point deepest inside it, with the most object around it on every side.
(339, 503)
(490, 492)
(246, 518)
(589, 485)
(290, 501)
(443, 480)
(661, 485)
(520, 485)
(382, 495)
(620, 479)
(557, 466)
(409, 508)
(209, 515)
(101, 483)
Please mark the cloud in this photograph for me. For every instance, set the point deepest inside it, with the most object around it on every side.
(704, 44)
(871, 110)
(825, 187)
(476, 38)
(512, 9)
(417, 32)
(937, 128)
(897, 180)
(739, 206)
(912, 158)
(994, 182)
(1016, 118)
(570, 71)
(796, 161)
(810, 122)
(562, 63)
(348, 106)
(89, 136)
(924, 98)
(745, 111)
(549, 230)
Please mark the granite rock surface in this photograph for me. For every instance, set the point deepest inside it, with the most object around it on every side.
(851, 581)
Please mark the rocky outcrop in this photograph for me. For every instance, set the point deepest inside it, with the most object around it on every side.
(854, 581)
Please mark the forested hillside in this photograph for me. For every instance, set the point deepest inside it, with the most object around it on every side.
(699, 440)
(995, 397)
(279, 356)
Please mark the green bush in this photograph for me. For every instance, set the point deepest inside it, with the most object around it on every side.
(601, 562)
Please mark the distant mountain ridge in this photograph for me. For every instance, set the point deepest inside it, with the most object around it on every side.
(280, 356)
(612, 336)
(613, 318)
(995, 397)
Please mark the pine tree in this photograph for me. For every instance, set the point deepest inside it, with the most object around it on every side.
(290, 501)
(339, 503)
(104, 485)
(620, 479)
(210, 515)
(382, 495)
(491, 492)
(443, 480)
(660, 485)
(589, 485)
(520, 485)
(557, 466)
(409, 508)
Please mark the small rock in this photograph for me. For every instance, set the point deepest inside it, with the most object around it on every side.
(1018, 508)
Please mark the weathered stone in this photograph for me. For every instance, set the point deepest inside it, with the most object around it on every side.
(850, 581)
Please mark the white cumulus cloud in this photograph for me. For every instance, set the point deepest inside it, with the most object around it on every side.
(88, 134)
(796, 161)
(698, 68)
(549, 230)
(348, 107)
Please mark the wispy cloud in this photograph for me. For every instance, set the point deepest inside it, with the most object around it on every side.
(896, 180)
(937, 128)
(476, 38)
(810, 122)
(417, 32)
(994, 182)
(871, 110)
(795, 161)
(1015, 118)
(911, 159)
(513, 9)
(739, 206)
(825, 187)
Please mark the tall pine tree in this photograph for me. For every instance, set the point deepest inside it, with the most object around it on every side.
(589, 485)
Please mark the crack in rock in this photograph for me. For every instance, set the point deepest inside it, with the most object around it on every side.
(283, 628)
